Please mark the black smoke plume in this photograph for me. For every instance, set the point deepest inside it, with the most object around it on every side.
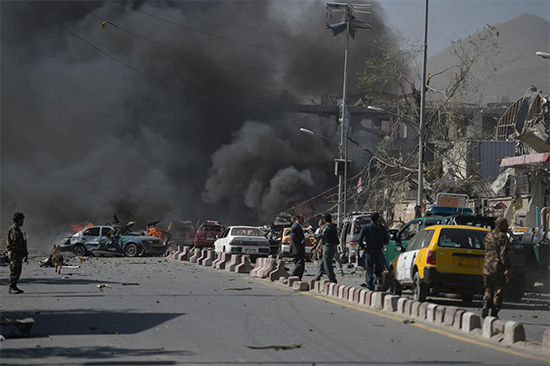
(84, 136)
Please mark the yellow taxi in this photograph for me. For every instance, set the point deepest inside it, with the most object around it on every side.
(285, 242)
(441, 259)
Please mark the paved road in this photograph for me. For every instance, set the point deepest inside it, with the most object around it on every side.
(533, 310)
(180, 314)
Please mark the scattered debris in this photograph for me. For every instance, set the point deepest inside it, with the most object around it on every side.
(237, 288)
(130, 284)
(109, 332)
(103, 285)
(23, 325)
(407, 321)
(276, 348)
(65, 277)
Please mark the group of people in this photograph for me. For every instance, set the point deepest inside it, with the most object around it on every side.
(374, 236)
(372, 239)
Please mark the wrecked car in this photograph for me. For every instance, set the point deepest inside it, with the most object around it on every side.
(112, 240)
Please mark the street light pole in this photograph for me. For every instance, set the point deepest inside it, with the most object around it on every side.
(420, 195)
(344, 129)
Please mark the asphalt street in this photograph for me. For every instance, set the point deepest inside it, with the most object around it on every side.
(533, 311)
(156, 311)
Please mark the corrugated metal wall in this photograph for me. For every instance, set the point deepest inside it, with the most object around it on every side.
(483, 157)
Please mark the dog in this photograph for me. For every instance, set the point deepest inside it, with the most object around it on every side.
(57, 259)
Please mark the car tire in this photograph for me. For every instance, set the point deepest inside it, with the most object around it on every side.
(420, 290)
(131, 250)
(79, 250)
(467, 298)
(395, 287)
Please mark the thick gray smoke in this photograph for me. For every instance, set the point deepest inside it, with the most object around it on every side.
(84, 137)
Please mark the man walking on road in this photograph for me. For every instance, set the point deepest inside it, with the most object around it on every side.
(495, 267)
(329, 236)
(17, 251)
(298, 247)
(373, 237)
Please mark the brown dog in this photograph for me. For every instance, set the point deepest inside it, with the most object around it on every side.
(57, 259)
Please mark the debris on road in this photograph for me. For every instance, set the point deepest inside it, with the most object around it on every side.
(103, 285)
(276, 348)
(24, 326)
(237, 288)
(130, 284)
(407, 321)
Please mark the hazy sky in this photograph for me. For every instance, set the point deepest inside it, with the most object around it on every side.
(448, 17)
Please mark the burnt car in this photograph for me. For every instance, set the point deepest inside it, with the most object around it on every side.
(207, 233)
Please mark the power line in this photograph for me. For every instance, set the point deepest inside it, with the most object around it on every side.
(139, 71)
(117, 27)
(223, 37)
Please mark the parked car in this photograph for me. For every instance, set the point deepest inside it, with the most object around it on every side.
(441, 258)
(285, 242)
(349, 236)
(242, 240)
(206, 234)
(112, 240)
(182, 232)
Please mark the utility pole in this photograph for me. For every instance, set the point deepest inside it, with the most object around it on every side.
(421, 143)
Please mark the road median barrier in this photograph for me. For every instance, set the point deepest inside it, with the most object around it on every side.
(430, 312)
(300, 286)
(184, 254)
(245, 266)
(268, 268)
(202, 256)
(233, 263)
(390, 303)
(279, 271)
(377, 300)
(196, 255)
(223, 260)
(293, 279)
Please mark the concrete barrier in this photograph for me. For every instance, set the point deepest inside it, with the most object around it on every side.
(401, 305)
(356, 294)
(488, 330)
(202, 257)
(267, 268)
(415, 309)
(340, 293)
(209, 259)
(311, 284)
(245, 266)
(408, 307)
(513, 332)
(363, 297)
(280, 271)
(292, 279)
(457, 321)
(430, 313)
(390, 302)
(440, 314)
(470, 321)
(175, 254)
(377, 300)
(184, 255)
(234, 262)
(423, 310)
(449, 317)
(259, 265)
(300, 286)
(327, 290)
(196, 255)
(223, 260)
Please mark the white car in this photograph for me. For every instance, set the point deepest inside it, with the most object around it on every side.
(242, 240)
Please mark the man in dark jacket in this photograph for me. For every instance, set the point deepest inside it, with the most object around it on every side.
(17, 251)
(298, 247)
(373, 237)
(329, 236)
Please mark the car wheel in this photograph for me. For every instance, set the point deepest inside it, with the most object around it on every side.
(420, 290)
(79, 250)
(467, 298)
(131, 250)
(395, 287)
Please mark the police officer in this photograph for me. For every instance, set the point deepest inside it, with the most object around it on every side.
(17, 251)
(495, 267)
(329, 236)
(372, 238)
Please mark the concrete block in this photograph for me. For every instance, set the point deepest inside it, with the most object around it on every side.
(423, 311)
(408, 307)
(368, 300)
(440, 314)
(415, 308)
(356, 294)
(224, 259)
(196, 255)
(430, 313)
(311, 284)
(283, 280)
(390, 302)
(488, 330)
(331, 287)
(300, 286)
(345, 295)
(175, 254)
(546, 341)
(245, 266)
(340, 293)
(293, 279)
(351, 294)
(233, 262)
(513, 332)
(209, 259)
(327, 289)
(320, 286)
(257, 266)
(184, 255)
(498, 326)
(269, 267)
(401, 305)
(280, 271)
(363, 297)
(203, 254)
(449, 317)
(377, 300)
(457, 321)
(470, 321)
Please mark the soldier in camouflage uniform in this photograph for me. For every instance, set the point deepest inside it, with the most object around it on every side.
(17, 251)
(495, 267)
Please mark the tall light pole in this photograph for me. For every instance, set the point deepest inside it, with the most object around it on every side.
(350, 23)
(420, 195)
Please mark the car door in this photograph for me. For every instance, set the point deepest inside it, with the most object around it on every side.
(90, 237)
(220, 242)
(406, 259)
